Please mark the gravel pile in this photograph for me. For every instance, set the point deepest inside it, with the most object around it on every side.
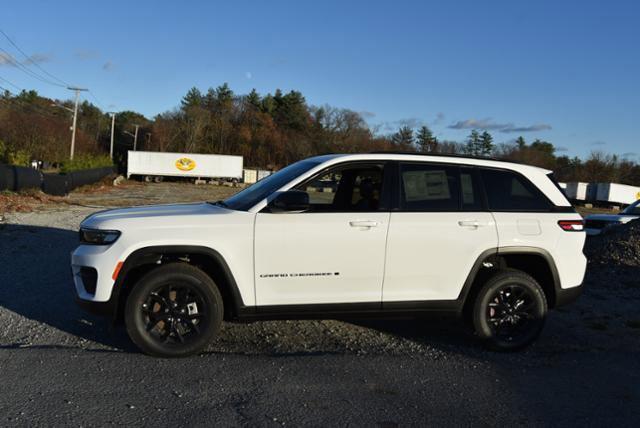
(615, 247)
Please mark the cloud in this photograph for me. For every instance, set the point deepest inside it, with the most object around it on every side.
(367, 114)
(598, 143)
(562, 149)
(38, 58)
(411, 122)
(6, 59)
(248, 75)
(108, 66)
(489, 125)
(439, 118)
(85, 54)
(629, 155)
(530, 128)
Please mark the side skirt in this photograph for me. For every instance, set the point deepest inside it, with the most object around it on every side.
(351, 310)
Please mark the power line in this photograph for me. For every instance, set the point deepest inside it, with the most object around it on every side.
(24, 69)
(30, 59)
(8, 82)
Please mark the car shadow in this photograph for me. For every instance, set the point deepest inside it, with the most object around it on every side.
(35, 282)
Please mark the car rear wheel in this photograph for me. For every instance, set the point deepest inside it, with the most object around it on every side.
(174, 311)
(509, 311)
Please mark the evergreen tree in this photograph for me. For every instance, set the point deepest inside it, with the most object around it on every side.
(473, 144)
(486, 144)
(254, 99)
(192, 99)
(427, 142)
(521, 143)
(224, 94)
(403, 138)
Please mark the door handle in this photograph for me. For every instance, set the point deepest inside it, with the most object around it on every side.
(363, 223)
(471, 223)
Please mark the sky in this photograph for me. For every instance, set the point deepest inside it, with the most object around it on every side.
(567, 72)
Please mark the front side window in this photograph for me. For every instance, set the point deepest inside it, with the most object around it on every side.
(348, 188)
(509, 191)
(255, 193)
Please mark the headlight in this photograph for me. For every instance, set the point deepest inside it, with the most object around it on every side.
(98, 237)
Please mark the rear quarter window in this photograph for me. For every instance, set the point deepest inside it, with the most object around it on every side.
(509, 191)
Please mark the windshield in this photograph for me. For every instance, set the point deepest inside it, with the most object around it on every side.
(633, 209)
(253, 194)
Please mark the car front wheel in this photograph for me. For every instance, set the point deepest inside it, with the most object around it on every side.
(174, 311)
(509, 311)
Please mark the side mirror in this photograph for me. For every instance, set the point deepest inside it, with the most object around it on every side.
(290, 201)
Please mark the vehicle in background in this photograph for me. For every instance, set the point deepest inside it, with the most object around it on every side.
(596, 223)
(154, 166)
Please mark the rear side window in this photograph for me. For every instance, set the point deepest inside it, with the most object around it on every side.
(508, 191)
(429, 187)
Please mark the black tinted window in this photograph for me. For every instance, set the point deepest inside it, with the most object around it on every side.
(350, 188)
(508, 191)
(427, 187)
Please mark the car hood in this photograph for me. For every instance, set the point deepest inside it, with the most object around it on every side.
(151, 211)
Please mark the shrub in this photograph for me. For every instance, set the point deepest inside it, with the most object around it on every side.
(86, 162)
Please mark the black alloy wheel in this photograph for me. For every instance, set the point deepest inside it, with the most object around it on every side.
(174, 311)
(510, 311)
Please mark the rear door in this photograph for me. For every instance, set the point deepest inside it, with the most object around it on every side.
(436, 233)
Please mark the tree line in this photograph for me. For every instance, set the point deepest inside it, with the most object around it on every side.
(269, 130)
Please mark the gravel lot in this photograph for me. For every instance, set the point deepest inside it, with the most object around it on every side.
(63, 367)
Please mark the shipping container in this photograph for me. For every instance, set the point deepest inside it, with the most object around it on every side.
(614, 193)
(162, 164)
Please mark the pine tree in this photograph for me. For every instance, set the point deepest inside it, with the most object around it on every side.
(427, 142)
(403, 138)
(192, 99)
(473, 144)
(254, 98)
(486, 144)
(521, 143)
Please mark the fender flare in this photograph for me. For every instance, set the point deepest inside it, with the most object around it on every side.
(152, 255)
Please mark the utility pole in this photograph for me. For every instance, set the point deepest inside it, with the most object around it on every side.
(75, 118)
(135, 137)
(113, 124)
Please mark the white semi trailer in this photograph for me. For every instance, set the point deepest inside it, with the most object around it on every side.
(614, 193)
(156, 165)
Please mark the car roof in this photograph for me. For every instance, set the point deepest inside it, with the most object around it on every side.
(435, 158)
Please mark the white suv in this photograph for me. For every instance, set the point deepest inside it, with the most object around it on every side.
(341, 236)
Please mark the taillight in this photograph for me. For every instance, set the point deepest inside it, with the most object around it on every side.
(572, 225)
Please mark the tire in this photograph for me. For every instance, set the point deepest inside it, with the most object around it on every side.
(509, 311)
(174, 311)
(148, 178)
(157, 179)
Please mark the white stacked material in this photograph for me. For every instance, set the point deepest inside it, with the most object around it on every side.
(250, 176)
(577, 191)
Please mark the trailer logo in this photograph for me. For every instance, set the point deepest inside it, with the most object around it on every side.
(185, 164)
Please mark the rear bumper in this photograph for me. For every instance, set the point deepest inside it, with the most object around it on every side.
(565, 296)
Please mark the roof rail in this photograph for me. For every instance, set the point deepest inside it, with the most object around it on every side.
(449, 155)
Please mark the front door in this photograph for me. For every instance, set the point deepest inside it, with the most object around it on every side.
(332, 253)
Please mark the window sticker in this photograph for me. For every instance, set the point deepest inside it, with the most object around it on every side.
(425, 185)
